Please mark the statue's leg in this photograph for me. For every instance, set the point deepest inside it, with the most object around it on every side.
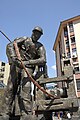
(10, 95)
(11, 88)
(25, 96)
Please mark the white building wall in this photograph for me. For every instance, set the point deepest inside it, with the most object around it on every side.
(58, 61)
(6, 74)
(77, 38)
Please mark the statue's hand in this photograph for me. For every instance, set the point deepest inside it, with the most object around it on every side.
(26, 63)
(17, 62)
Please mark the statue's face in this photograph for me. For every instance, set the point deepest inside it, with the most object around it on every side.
(36, 35)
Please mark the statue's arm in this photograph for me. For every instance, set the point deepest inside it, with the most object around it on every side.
(10, 52)
(42, 57)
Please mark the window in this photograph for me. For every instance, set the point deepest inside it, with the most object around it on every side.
(76, 69)
(3, 64)
(2, 69)
(73, 50)
(67, 43)
(71, 27)
(68, 54)
(78, 84)
(66, 63)
(75, 60)
(73, 40)
(1, 75)
(65, 31)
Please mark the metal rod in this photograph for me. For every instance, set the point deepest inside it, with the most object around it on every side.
(5, 35)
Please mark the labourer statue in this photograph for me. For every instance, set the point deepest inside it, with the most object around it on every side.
(33, 55)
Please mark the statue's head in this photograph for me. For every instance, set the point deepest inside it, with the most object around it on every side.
(37, 32)
(39, 29)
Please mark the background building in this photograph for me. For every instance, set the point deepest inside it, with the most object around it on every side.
(4, 72)
(68, 43)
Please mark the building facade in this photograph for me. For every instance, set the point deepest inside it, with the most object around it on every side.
(67, 43)
(4, 72)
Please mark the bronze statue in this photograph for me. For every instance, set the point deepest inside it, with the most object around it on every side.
(33, 55)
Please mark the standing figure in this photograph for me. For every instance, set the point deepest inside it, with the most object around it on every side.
(33, 55)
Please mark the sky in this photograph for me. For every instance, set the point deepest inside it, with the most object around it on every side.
(19, 17)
